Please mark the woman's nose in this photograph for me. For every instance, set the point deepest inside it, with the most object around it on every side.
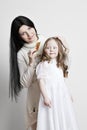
(28, 34)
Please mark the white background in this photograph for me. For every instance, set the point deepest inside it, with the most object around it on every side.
(67, 18)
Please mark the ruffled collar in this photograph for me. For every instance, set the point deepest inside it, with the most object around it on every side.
(53, 61)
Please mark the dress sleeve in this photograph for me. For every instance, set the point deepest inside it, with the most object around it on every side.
(42, 71)
(26, 71)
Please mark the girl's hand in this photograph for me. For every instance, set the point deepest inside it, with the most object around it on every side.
(47, 102)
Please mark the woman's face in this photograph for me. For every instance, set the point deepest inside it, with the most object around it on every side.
(27, 33)
(51, 49)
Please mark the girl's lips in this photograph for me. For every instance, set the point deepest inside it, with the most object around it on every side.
(52, 53)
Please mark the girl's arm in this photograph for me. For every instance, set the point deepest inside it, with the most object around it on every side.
(47, 101)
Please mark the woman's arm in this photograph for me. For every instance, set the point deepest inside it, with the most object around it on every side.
(26, 71)
(47, 101)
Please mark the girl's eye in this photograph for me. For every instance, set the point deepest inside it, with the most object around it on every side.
(54, 47)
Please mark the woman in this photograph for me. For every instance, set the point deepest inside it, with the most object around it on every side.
(25, 53)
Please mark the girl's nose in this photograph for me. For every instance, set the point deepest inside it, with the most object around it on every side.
(51, 49)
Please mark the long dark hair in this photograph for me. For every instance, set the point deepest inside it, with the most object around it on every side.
(62, 55)
(16, 44)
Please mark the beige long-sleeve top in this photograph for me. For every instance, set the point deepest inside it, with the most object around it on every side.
(28, 79)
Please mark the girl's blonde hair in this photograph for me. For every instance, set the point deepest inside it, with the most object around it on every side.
(62, 55)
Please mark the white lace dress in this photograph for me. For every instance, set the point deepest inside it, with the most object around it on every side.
(61, 115)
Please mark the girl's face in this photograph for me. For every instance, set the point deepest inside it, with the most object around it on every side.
(51, 49)
(27, 33)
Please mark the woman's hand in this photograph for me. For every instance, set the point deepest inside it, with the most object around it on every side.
(32, 57)
(47, 102)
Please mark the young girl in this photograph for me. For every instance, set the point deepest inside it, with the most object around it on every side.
(55, 110)
(25, 53)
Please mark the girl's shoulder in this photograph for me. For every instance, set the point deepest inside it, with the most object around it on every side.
(43, 65)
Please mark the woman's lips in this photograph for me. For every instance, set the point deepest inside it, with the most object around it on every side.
(31, 37)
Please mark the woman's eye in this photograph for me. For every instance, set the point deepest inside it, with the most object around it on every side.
(29, 28)
(22, 33)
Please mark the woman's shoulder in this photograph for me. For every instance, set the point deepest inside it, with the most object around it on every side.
(20, 53)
